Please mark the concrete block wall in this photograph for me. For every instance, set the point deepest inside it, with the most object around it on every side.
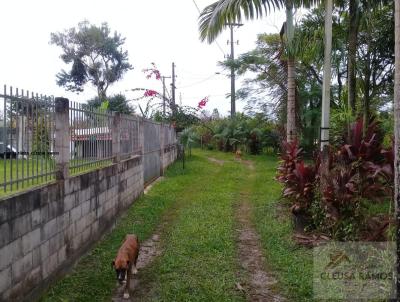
(46, 229)
(170, 155)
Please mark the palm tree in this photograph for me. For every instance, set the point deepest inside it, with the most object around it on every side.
(326, 92)
(397, 127)
(215, 17)
(354, 22)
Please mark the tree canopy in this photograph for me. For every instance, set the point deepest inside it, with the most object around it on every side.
(116, 103)
(95, 56)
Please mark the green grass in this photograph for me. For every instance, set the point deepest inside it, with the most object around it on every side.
(292, 264)
(24, 168)
(199, 260)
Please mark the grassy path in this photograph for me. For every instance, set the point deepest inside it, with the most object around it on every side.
(200, 259)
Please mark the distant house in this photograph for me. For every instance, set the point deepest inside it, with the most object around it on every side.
(91, 143)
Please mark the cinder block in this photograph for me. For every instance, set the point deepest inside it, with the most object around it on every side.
(33, 277)
(84, 195)
(86, 235)
(36, 218)
(55, 209)
(49, 265)
(62, 254)
(5, 231)
(6, 255)
(102, 198)
(99, 211)
(103, 185)
(91, 217)
(85, 207)
(44, 213)
(56, 242)
(5, 279)
(63, 221)
(69, 202)
(76, 241)
(4, 211)
(36, 257)
(95, 227)
(30, 241)
(76, 213)
(21, 204)
(93, 203)
(21, 225)
(21, 267)
(70, 186)
(45, 250)
(49, 229)
(80, 225)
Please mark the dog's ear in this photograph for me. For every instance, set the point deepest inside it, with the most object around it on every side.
(113, 264)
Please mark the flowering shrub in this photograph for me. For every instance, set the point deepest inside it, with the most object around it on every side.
(150, 93)
(203, 103)
(152, 72)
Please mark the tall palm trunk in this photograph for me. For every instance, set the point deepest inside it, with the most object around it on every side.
(354, 21)
(326, 95)
(397, 131)
(291, 80)
(291, 101)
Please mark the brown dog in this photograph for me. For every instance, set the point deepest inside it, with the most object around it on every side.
(238, 154)
(125, 262)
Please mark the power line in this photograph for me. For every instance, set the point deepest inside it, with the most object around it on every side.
(198, 9)
(199, 82)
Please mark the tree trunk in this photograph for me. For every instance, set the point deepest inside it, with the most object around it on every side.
(291, 102)
(326, 86)
(397, 132)
(291, 73)
(326, 96)
(354, 21)
(366, 103)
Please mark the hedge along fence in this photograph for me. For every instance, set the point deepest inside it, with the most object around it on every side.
(45, 229)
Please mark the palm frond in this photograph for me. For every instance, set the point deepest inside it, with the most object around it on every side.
(215, 17)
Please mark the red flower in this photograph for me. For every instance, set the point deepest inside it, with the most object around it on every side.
(152, 71)
(150, 93)
(203, 103)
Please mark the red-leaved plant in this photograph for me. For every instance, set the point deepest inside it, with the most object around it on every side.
(361, 169)
(297, 178)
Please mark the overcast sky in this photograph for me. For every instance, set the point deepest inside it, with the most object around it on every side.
(156, 31)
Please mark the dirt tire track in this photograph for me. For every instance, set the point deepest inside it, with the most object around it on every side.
(216, 161)
(260, 285)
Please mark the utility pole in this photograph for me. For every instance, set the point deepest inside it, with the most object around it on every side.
(232, 57)
(164, 90)
(163, 96)
(173, 87)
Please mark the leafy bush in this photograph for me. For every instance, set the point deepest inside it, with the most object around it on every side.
(250, 134)
(297, 178)
(359, 170)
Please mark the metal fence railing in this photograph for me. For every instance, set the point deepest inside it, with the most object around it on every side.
(43, 138)
(129, 134)
(26, 139)
(90, 137)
